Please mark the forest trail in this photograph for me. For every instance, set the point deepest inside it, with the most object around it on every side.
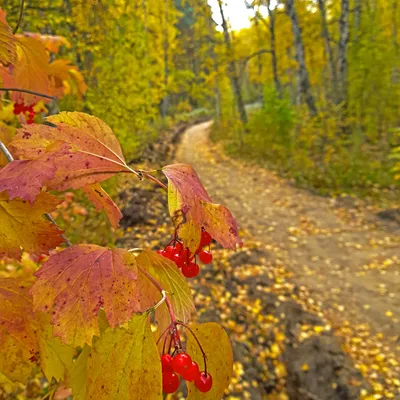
(338, 249)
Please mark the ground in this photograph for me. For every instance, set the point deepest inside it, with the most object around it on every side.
(310, 302)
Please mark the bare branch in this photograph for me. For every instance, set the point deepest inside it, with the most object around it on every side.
(21, 11)
(28, 91)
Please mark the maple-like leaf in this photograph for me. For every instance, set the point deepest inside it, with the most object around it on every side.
(17, 330)
(23, 225)
(8, 50)
(124, 364)
(190, 204)
(218, 350)
(170, 278)
(101, 200)
(76, 377)
(73, 284)
(82, 149)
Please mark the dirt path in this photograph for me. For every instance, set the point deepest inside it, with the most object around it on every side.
(346, 258)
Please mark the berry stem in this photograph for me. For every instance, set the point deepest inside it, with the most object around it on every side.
(10, 158)
(198, 343)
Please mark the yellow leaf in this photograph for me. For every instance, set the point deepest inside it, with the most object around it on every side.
(8, 52)
(217, 347)
(23, 225)
(124, 364)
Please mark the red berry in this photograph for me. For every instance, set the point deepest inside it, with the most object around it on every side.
(178, 246)
(206, 239)
(192, 373)
(179, 259)
(205, 257)
(170, 382)
(190, 270)
(169, 251)
(166, 360)
(203, 382)
(181, 362)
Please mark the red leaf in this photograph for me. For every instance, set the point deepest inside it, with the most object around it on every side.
(191, 209)
(25, 178)
(74, 284)
(101, 200)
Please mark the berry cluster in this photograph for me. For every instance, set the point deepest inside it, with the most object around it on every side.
(20, 108)
(183, 365)
(184, 259)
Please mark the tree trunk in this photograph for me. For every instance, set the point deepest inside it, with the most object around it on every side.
(357, 19)
(274, 59)
(328, 48)
(165, 100)
(304, 81)
(235, 82)
(342, 52)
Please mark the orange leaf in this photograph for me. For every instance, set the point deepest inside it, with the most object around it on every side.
(101, 200)
(74, 284)
(31, 70)
(23, 225)
(8, 51)
(51, 43)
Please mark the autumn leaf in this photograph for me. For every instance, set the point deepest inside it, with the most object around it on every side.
(25, 178)
(8, 51)
(51, 43)
(101, 200)
(17, 331)
(23, 225)
(76, 376)
(75, 283)
(217, 347)
(31, 70)
(167, 274)
(190, 204)
(56, 358)
(65, 78)
(81, 150)
(124, 364)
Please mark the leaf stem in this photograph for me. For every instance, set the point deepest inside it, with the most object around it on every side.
(146, 175)
(10, 158)
(46, 96)
(21, 11)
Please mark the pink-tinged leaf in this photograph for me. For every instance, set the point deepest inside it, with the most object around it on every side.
(17, 330)
(102, 201)
(82, 148)
(23, 225)
(25, 178)
(74, 284)
(191, 209)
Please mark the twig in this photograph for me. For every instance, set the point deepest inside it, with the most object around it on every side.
(21, 11)
(28, 91)
(10, 158)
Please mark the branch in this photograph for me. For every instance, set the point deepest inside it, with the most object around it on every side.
(144, 174)
(21, 11)
(10, 158)
(28, 91)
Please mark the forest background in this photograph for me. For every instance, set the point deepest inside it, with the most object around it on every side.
(320, 79)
